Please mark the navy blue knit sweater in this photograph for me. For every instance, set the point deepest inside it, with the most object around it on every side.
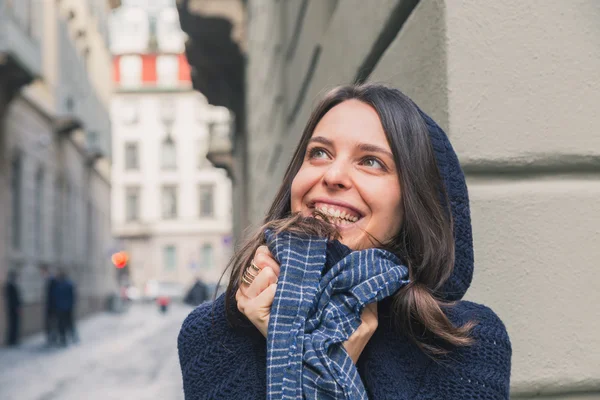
(222, 362)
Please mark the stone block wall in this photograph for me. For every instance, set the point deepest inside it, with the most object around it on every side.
(29, 132)
(517, 87)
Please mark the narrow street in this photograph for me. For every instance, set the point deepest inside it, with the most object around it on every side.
(132, 355)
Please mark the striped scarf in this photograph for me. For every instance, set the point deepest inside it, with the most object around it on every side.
(322, 289)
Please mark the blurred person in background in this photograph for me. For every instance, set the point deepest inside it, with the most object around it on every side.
(64, 299)
(385, 174)
(12, 298)
(163, 302)
(50, 316)
(197, 294)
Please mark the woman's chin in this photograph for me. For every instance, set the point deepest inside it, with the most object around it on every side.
(353, 238)
(352, 242)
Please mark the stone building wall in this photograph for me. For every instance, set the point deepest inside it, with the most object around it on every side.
(516, 85)
(47, 235)
(55, 77)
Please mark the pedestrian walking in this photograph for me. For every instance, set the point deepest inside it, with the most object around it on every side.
(50, 317)
(64, 299)
(12, 297)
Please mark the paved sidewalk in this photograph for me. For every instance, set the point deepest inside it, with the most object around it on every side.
(132, 355)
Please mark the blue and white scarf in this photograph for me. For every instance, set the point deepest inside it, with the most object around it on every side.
(317, 307)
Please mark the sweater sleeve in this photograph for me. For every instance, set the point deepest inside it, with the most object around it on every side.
(479, 371)
(216, 363)
(192, 345)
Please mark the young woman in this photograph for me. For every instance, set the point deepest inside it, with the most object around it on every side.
(385, 174)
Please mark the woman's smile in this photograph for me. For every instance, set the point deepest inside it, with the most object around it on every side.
(341, 214)
(349, 176)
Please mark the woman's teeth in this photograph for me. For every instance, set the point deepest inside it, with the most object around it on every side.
(339, 217)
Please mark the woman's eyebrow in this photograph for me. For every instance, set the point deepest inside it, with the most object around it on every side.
(371, 148)
(321, 139)
(366, 147)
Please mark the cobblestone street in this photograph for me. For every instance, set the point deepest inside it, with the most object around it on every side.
(132, 355)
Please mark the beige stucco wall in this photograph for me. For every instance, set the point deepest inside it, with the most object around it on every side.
(517, 87)
(526, 129)
(529, 73)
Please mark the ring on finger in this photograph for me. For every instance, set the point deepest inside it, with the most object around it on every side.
(246, 280)
(254, 266)
(249, 276)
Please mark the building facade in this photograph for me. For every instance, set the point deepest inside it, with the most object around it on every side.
(171, 207)
(55, 149)
(516, 86)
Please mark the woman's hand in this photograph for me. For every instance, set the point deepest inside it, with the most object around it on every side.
(255, 300)
(358, 340)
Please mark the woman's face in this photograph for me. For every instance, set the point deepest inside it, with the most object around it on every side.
(349, 174)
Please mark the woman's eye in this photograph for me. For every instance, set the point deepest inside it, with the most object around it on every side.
(317, 153)
(372, 163)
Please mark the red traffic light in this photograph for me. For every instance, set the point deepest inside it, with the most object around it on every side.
(120, 259)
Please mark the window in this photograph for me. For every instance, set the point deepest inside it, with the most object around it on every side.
(206, 196)
(131, 156)
(169, 202)
(168, 111)
(132, 203)
(201, 146)
(168, 154)
(92, 140)
(130, 68)
(170, 257)
(39, 214)
(207, 256)
(89, 235)
(24, 13)
(129, 111)
(167, 70)
(15, 190)
(129, 29)
(57, 224)
(169, 32)
(152, 25)
(86, 57)
(67, 219)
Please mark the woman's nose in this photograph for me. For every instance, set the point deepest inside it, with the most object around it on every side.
(337, 176)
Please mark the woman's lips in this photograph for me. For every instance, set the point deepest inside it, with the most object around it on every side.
(336, 209)
(342, 217)
(337, 213)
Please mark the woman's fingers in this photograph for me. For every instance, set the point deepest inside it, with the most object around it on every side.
(263, 249)
(369, 316)
(359, 339)
(257, 309)
(254, 300)
(265, 299)
(263, 303)
(263, 259)
(262, 281)
(240, 300)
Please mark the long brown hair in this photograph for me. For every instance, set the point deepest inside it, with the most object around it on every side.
(425, 241)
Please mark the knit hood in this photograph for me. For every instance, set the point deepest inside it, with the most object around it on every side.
(454, 181)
